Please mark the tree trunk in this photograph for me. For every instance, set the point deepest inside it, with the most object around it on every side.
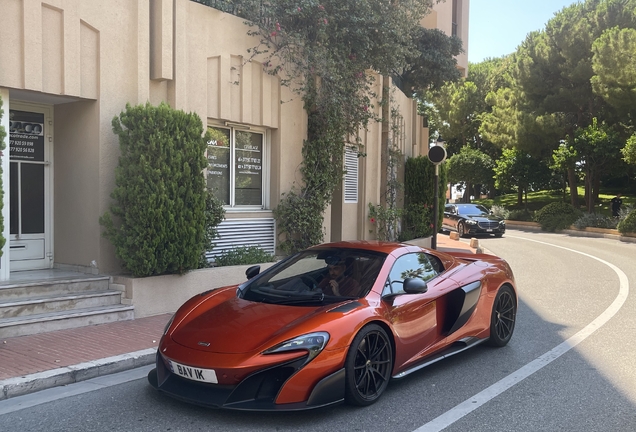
(574, 193)
(520, 196)
(597, 187)
(589, 202)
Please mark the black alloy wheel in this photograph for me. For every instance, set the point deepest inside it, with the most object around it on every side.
(504, 315)
(368, 366)
(461, 229)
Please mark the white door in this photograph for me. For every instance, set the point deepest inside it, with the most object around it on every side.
(30, 192)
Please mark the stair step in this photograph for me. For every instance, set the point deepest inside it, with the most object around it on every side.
(43, 288)
(45, 322)
(55, 303)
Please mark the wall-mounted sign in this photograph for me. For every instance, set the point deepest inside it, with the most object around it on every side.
(26, 136)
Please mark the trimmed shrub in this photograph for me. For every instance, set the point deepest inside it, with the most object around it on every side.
(417, 222)
(419, 191)
(158, 222)
(556, 216)
(500, 211)
(214, 215)
(595, 220)
(521, 215)
(628, 225)
(243, 255)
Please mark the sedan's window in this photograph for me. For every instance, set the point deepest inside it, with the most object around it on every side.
(472, 209)
(415, 265)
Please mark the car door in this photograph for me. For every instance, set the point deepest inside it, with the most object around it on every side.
(449, 221)
(414, 317)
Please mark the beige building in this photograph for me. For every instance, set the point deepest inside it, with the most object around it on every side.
(67, 67)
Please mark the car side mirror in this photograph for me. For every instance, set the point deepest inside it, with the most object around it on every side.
(415, 286)
(252, 271)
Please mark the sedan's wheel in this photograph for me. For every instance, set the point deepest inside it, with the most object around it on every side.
(368, 366)
(504, 315)
(461, 229)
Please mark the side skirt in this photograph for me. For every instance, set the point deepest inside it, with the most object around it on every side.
(455, 348)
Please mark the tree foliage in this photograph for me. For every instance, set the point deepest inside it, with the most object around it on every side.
(324, 50)
(629, 151)
(614, 65)
(470, 166)
(518, 170)
(160, 199)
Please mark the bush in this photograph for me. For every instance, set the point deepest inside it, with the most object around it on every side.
(417, 222)
(595, 220)
(159, 223)
(500, 211)
(628, 225)
(214, 215)
(521, 215)
(243, 255)
(419, 189)
(556, 216)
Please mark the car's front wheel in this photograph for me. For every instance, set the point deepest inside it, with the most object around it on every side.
(368, 366)
(503, 318)
(461, 229)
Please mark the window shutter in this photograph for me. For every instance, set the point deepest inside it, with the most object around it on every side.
(351, 176)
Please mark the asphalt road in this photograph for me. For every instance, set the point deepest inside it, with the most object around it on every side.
(571, 366)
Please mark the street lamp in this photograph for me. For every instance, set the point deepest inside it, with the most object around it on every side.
(437, 155)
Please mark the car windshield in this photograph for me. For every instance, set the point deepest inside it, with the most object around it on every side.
(472, 210)
(317, 276)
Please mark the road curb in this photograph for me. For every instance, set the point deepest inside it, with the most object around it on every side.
(19, 386)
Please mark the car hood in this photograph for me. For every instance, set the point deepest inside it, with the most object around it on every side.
(238, 326)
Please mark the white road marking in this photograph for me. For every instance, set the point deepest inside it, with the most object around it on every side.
(471, 404)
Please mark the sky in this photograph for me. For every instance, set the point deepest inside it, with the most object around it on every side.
(497, 27)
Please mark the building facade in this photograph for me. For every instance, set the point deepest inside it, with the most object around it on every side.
(68, 67)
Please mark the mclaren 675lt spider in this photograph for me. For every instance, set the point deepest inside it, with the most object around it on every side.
(334, 323)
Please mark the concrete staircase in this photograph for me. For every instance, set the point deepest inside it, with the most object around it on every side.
(56, 303)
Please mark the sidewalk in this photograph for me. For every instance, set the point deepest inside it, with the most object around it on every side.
(37, 362)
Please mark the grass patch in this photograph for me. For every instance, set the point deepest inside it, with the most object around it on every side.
(538, 200)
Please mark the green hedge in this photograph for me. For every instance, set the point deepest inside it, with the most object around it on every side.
(628, 225)
(556, 216)
(419, 194)
(159, 208)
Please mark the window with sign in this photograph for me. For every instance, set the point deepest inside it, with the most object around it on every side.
(235, 166)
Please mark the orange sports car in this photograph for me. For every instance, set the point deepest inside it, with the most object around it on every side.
(333, 323)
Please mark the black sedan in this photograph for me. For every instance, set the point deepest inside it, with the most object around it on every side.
(472, 219)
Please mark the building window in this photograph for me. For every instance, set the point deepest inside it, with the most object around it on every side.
(351, 176)
(236, 161)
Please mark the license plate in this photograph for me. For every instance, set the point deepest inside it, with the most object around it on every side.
(192, 373)
(489, 230)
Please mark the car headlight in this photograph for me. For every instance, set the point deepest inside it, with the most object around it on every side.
(471, 222)
(502, 222)
(313, 343)
(165, 330)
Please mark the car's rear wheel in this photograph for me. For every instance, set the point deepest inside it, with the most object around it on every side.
(503, 318)
(461, 229)
(368, 366)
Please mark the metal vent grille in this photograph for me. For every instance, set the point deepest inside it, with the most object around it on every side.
(351, 176)
(234, 233)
